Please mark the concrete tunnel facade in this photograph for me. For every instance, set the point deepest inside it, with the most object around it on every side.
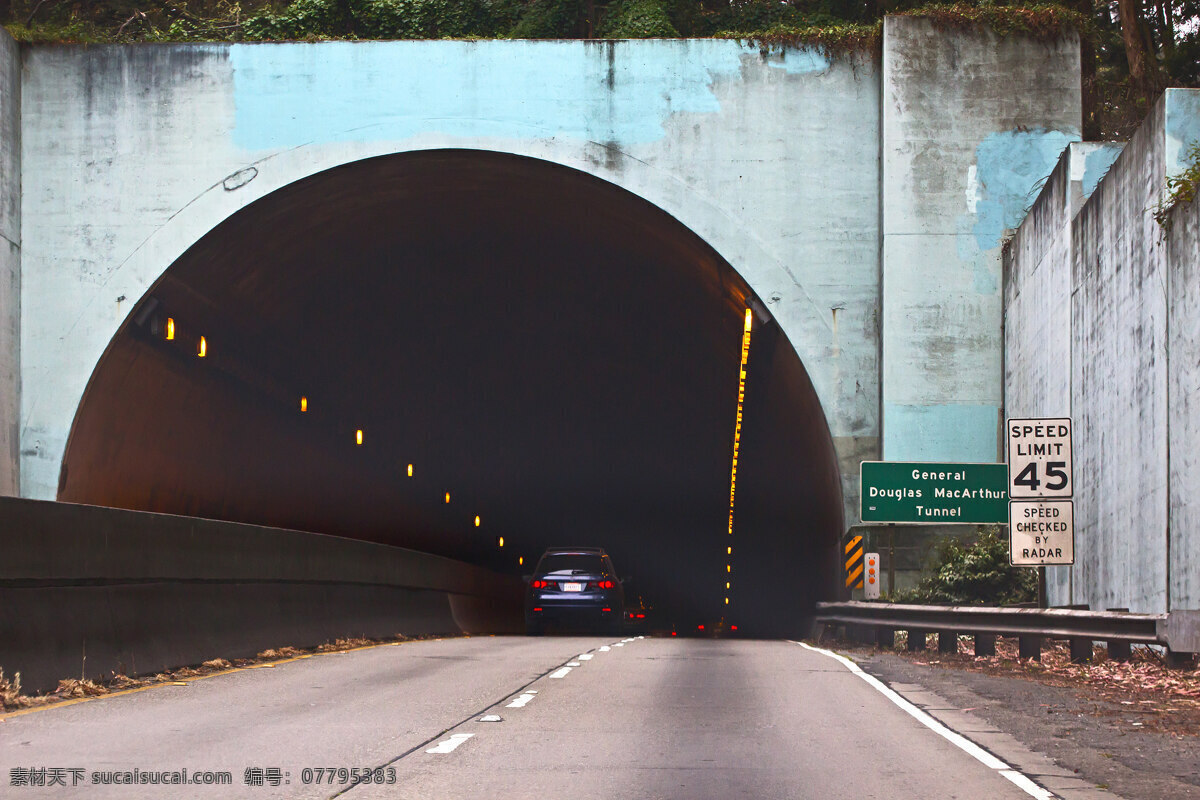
(722, 174)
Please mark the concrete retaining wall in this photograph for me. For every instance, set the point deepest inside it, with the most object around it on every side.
(10, 262)
(89, 591)
(1102, 293)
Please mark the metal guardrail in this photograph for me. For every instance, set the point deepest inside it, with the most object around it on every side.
(1178, 631)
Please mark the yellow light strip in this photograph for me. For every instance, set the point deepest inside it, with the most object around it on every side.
(737, 431)
(170, 329)
(202, 348)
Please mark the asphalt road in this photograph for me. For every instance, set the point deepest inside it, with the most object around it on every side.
(642, 718)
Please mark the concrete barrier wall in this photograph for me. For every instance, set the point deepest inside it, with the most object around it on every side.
(92, 591)
(1129, 286)
(10, 262)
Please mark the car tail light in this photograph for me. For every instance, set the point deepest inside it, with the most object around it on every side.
(699, 627)
(541, 584)
(537, 609)
(603, 585)
(733, 627)
(641, 616)
(606, 609)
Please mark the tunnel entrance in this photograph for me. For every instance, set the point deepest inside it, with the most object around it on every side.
(556, 358)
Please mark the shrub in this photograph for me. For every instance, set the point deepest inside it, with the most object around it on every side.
(977, 572)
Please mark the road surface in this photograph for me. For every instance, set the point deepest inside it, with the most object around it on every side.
(578, 717)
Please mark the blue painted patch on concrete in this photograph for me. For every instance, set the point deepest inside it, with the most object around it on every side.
(1096, 164)
(1183, 126)
(293, 94)
(801, 61)
(1010, 169)
(955, 433)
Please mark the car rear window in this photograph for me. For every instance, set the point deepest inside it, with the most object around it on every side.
(568, 562)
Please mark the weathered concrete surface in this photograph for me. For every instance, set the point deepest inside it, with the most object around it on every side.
(1183, 406)
(729, 142)
(972, 124)
(98, 590)
(131, 154)
(10, 262)
(1037, 299)
(1133, 316)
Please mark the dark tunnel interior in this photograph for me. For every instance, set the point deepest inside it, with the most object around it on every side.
(557, 354)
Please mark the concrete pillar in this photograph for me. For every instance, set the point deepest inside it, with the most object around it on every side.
(10, 264)
(963, 158)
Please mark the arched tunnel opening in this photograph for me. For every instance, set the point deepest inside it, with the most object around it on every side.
(549, 352)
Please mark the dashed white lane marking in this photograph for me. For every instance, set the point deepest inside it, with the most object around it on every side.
(519, 702)
(450, 744)
(619, 644)
(560, 673)
(572, 663)
(491, 718)
(956, 739)
(605, 648)
(585, 657)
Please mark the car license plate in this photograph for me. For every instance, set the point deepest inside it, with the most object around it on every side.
(572, 587)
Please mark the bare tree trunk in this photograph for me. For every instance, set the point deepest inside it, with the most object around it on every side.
(1130, 12)
(1087, 77)
(1142, 69)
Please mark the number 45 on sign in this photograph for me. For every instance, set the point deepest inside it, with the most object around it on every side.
(1039, 458)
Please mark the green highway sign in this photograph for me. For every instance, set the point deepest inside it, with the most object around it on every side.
(919, 492)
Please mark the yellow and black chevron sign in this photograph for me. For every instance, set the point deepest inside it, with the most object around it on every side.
(854, 563)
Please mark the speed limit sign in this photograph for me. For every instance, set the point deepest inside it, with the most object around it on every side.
(1039, 458)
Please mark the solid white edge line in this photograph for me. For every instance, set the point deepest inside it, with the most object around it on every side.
(1028, 785)
(1018, 779)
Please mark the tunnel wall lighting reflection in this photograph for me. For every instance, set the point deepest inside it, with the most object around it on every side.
(170, 329)
(410, 470)
(476, 522)
(358, 436)
(737, 429)
(500, 541)
(303, 405)
(202, 348)
(447, 494)
(521, 561)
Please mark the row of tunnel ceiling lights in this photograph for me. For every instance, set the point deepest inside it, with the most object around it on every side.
(737, 440)
(202, 352)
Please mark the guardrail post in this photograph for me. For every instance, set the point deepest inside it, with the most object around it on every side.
(916, 640)
(985, 644)
(1029, 646)
(1081, 651)
(1178, 660)
(947, 641)
(885, 638)
(1119, 651)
